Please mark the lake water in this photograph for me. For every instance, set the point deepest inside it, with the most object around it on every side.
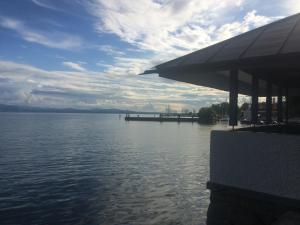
(98, 169)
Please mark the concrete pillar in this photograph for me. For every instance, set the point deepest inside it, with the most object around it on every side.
(233, 97)
(286, 105)
(254, 102)
(279, 105)
(269, 103)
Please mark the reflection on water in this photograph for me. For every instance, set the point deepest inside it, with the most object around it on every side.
(97, 169)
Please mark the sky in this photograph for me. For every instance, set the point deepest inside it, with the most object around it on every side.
(88, 53)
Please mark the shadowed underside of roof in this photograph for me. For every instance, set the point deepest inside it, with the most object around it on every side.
(271, 52)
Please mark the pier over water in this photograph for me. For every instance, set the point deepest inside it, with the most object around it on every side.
(162, 118)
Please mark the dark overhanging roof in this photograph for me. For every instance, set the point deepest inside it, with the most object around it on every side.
(271, 52)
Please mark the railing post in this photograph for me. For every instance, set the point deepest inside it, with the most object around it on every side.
(233, 97)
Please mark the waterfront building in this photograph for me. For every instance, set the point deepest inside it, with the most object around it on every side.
(254, 171)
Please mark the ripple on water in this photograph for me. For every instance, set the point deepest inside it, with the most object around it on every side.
(97, 169)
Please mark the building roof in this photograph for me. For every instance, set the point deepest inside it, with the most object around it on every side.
(270, 52)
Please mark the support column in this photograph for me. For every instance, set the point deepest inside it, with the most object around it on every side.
(286, 105)
(233, 97)
(279, 105)
(269, 103)
(254, 101)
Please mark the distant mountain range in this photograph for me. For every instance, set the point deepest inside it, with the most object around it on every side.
(19, 108)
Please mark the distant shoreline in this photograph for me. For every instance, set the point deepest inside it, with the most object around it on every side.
(29, 109)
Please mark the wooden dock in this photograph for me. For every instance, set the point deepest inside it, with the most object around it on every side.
(162, 119)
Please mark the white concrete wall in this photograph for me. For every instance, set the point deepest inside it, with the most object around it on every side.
(268, 163)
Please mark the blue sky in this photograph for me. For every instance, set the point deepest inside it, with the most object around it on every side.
(87, 53)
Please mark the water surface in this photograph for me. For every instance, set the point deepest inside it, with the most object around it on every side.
(98, 169)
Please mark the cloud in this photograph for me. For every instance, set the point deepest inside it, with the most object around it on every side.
(274, 7)
(110, 50)
(45, 4)
(184, 42)
(127, 66)
(168, 29)
(25, 84)
(161, 25)
(250, 21)
(156, 31)
(292, 6)
(74, 66)
(52, 39)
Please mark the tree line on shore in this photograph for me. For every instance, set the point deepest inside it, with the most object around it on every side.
(216, 112)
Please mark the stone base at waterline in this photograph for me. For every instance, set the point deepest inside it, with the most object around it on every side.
(234, 206)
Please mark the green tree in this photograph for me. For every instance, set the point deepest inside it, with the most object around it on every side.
(207, 115)
(221, 109)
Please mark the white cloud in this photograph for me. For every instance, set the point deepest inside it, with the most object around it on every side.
(292, 6)
(250, 21)
(74, 66)
(162, 29)
(110, 50)
(25, 84)
(186, 39)
(169, 29)
(274, 7)
(161, 26)
(45, 4)
(50, 39)
(128, 66)
(59, 6)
